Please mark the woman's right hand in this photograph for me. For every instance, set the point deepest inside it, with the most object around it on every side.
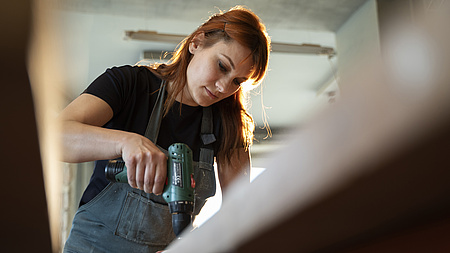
(146, 164)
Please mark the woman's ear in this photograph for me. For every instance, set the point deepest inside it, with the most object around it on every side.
(196, 42)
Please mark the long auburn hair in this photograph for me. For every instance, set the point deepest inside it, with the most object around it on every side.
(245, 27)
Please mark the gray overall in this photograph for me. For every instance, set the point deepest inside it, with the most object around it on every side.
(124, 219)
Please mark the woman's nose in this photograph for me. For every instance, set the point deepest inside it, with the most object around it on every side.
(223, 86)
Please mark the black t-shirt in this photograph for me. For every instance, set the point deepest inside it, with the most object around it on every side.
(131, 92)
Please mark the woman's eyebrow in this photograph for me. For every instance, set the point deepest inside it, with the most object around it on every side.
(229, 59)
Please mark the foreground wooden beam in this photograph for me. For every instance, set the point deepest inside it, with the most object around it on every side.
(364, 173)
(23, 216)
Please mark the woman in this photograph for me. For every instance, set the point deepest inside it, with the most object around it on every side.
(203, 108)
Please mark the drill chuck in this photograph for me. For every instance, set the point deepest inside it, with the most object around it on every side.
(180, 221)
(181, 215)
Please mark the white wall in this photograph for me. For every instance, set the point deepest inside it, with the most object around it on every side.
(356, 38)
(290, 88)
(93, 42)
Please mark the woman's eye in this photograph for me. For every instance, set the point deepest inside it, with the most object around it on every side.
(222, 67)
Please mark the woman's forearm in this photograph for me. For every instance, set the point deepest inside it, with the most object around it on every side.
(146, 164)
(82, 142)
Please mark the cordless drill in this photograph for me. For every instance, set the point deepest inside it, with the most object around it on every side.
(179, 189)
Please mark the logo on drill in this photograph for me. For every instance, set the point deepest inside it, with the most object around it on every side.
(177, 175)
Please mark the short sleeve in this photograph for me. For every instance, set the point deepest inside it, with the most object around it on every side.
(113, 86)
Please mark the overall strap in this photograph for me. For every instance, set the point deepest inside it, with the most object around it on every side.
(207, 127)
(208, 138)
(152, 131)
(154, 122)
(204, 176)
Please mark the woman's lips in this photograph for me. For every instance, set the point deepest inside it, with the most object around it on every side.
(210, 94)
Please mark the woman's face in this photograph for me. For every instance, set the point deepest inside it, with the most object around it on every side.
(216, 72)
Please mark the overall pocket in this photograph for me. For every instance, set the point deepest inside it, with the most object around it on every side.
(144, 221)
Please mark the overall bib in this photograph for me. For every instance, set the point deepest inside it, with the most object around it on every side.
(124, 219)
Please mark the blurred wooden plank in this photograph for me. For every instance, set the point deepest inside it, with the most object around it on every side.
(371, 166)
(24, 217)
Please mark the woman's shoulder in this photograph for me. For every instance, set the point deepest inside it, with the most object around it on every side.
(133, 70)
(135, 75)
